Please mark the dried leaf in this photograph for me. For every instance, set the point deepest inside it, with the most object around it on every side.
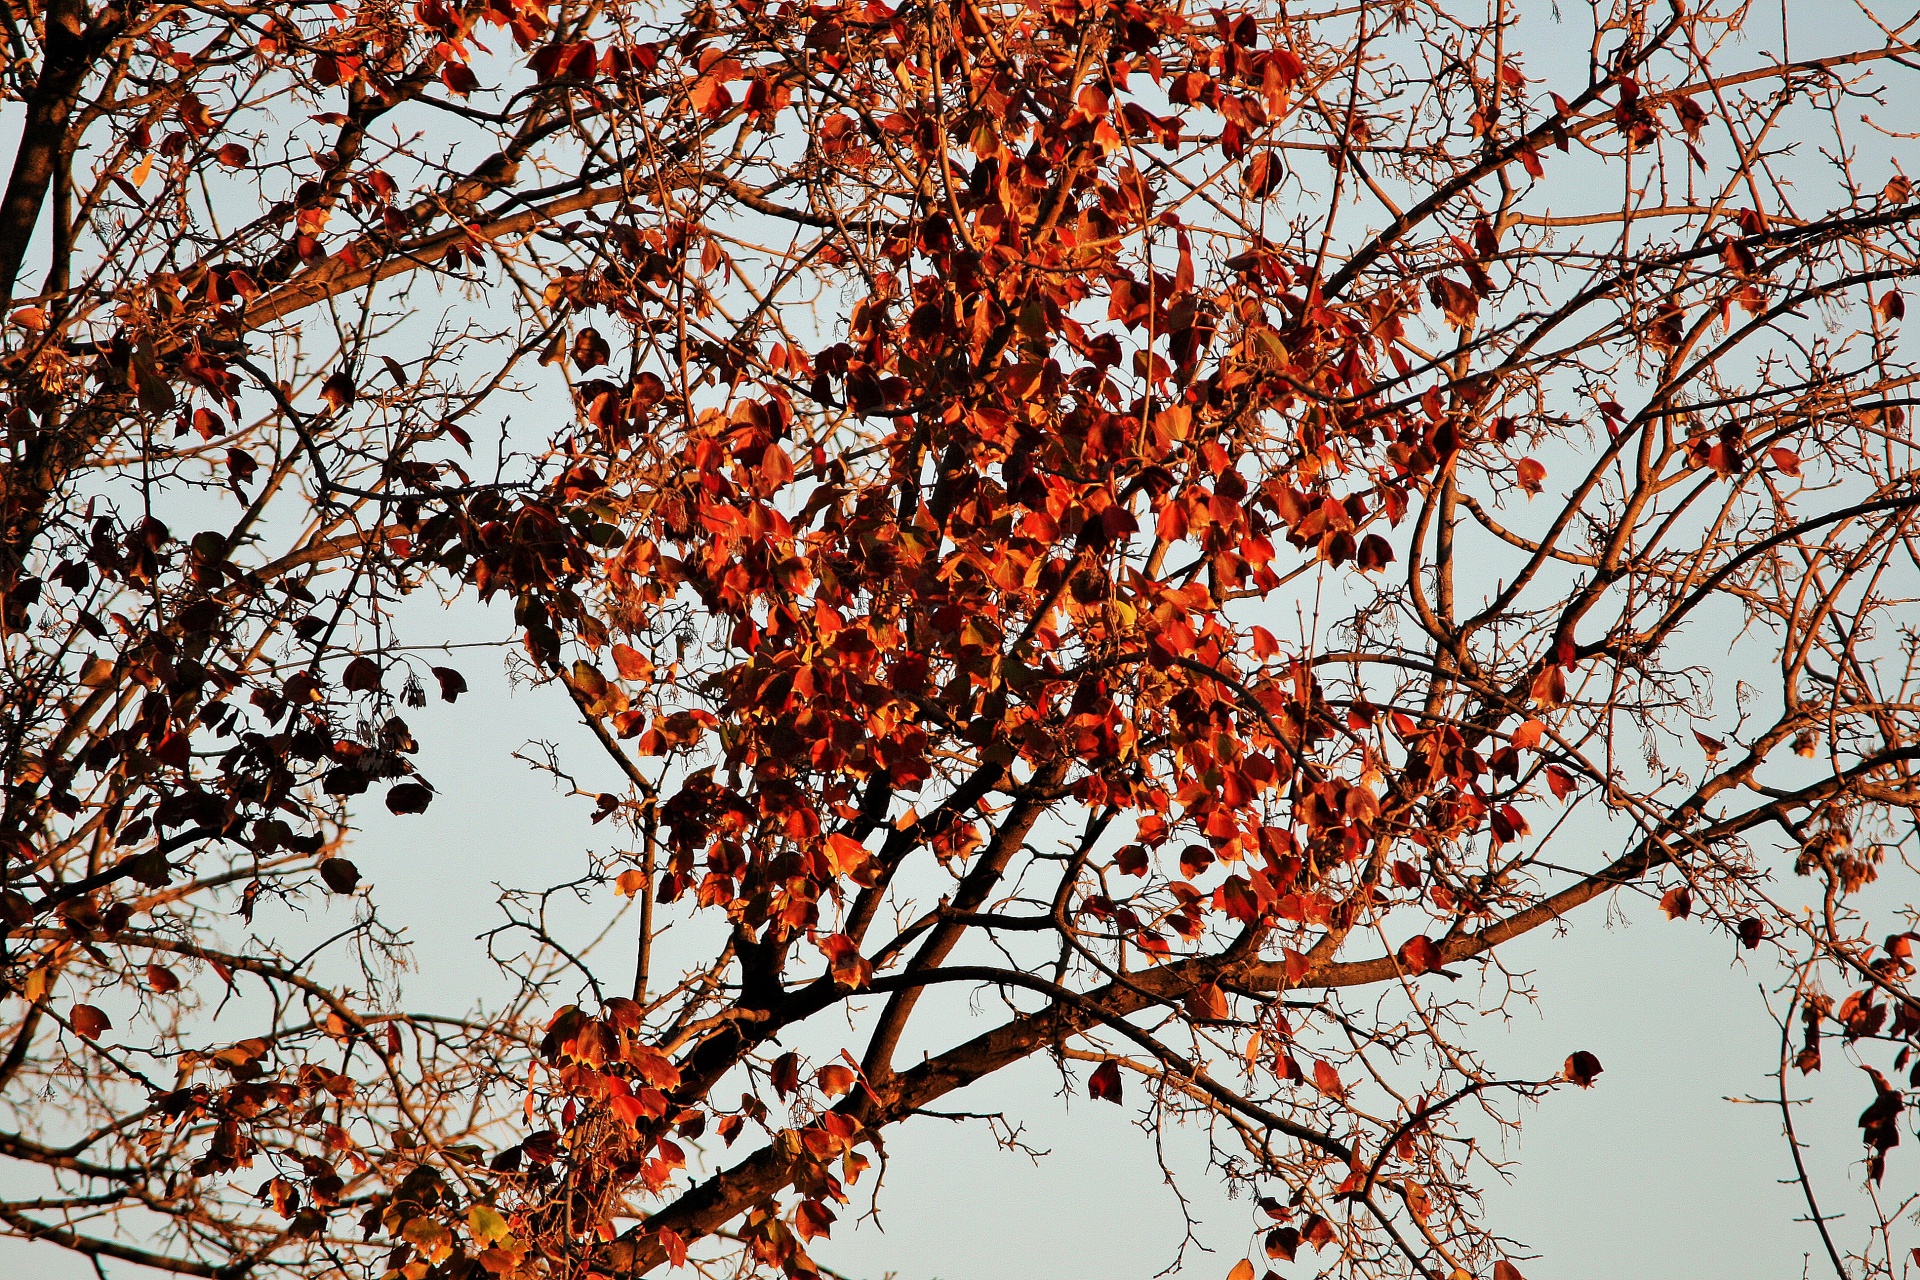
(89, 1022)
(1581, 1068)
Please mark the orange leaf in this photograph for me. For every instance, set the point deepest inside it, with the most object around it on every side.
(1530, 473)
(1327, 1080)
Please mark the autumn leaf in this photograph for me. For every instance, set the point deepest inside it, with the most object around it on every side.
(1504, 1270)
(1677, 902)
(590, 350)
(1419, 954)
(1105, 1081)
(361, 676)
(409, 797)
(452, 683)
(89, 1022)
(1549, 687)
(1581, 1068)
(1530, 473)
(338, 391)
(1242, 1270)
(340, 875)
(1327, 1080)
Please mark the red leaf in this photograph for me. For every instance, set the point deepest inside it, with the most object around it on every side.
(1504, 1270)
(1419, 954)
(1560, 781)
(1105, 1081)
(162, 980)
(1677, 903)
(362, 675)
(89, 1021)
(1787, 461)
(1549, 687)
(233, 155)
(452, 683)
(1527, 737)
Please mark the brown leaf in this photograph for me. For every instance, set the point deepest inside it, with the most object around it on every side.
(1581, 1068)
(1504, 1270)
(786, 1073)
(89, 1022)
(161, 980)
(1677, 902)
(409, 797)
(339, 875)
(452, 683)
(362, 675)
(338, 391)
(590, 350)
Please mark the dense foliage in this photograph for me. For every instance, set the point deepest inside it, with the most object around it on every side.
(1192, 527)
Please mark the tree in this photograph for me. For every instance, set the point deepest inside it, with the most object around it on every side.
(1194, 528)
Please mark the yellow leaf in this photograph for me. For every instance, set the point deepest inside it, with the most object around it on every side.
(141, 170)
(486, 1223)
(1242, 1270)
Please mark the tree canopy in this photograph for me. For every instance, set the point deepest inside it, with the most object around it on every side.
(1187, 528)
